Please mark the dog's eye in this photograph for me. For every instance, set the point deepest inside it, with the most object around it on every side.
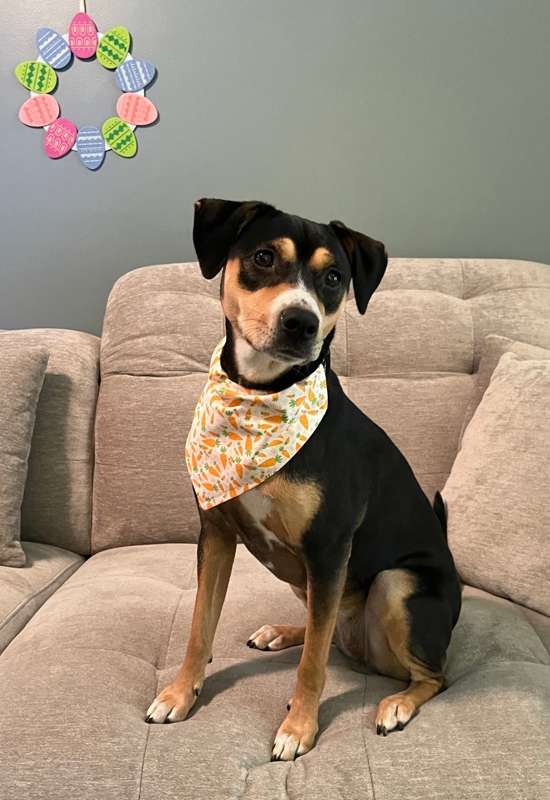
(333, 277)
(263, 258)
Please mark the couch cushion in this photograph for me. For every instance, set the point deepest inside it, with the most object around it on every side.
(21, 377)
(408, 363)
(24, 590)
(78, 680)
(497, 492)
(58, 494)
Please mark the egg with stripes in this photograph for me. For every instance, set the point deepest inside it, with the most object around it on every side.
(113, 47)
(36, 76)
(90, 147)
(82, 36)
(136, 109)
(134, 75)
(119, 137)
(53, 48)
(39, 111)
(59, 138)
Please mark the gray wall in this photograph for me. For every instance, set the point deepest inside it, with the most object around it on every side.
(423, 122)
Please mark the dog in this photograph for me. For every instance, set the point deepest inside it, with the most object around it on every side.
(344, 521)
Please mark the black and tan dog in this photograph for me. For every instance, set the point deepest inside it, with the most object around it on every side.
(344, 522)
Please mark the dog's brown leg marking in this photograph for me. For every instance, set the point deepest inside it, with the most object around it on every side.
(387, 628)
(216, 552)
(349, 635)
(297, 733)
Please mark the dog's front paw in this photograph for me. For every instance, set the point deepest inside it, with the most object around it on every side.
(173, 704)
(393, 713)
(293, 739)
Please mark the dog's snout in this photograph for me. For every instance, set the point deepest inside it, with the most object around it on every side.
(299, 323)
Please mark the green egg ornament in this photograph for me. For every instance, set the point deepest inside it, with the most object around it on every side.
(36, 76)
(119, 137)
(113, 47)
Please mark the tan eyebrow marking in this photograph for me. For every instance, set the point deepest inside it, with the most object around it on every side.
(321, 258)
(286, 248)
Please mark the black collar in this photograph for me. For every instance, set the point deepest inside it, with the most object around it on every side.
(293, 375)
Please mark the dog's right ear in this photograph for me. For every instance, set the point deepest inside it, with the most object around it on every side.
(217, 225)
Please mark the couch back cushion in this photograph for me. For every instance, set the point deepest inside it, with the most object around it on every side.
(409, 363)
(57, 504)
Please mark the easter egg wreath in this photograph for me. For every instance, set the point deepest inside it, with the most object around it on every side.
(112, 50)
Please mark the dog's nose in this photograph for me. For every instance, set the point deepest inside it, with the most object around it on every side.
(299, 323)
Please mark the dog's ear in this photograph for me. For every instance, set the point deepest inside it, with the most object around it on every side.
(368, 259)
(217, 225)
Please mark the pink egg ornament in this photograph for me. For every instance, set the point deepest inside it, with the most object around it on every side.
(82, 36)
(60, 137)
(135, 109)
(39, 111)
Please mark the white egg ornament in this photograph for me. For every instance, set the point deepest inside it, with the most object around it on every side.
(90, 146)
(53, 48)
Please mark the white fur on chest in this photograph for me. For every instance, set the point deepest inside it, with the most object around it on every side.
(258, 506)
(274, 553)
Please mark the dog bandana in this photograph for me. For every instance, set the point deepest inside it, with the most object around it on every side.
(240, 437)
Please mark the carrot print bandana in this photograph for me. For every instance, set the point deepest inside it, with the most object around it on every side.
(239, 437)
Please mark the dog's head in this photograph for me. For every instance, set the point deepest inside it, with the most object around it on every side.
(285, 278)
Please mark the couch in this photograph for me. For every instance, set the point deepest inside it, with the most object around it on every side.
(97, 620)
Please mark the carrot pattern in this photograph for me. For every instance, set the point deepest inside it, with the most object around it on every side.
(239, 437)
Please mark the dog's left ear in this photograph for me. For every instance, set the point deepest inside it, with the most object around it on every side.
(217, 225)
(368, 259)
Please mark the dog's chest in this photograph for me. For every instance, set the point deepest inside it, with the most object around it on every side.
(266, 531)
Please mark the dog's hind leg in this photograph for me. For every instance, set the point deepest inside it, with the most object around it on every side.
(277, 637)
(407, 632)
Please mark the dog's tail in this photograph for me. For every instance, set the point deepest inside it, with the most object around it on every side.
(441, 512)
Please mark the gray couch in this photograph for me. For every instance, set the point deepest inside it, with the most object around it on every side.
(97, 620)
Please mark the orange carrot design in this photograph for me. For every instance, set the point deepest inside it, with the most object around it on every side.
(239, 437)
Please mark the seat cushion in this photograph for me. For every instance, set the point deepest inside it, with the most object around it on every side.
(78, 680)
(25, 589)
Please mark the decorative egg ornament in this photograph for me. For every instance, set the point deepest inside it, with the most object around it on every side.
(112, 49)
(60, 137)
(136, 109)
(39, 111)
(36, 76)
(120, 137)
(82, 36)
(90, 147)
(53, 48)
(134, 75)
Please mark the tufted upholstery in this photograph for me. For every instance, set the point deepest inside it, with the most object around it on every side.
(408, 363)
